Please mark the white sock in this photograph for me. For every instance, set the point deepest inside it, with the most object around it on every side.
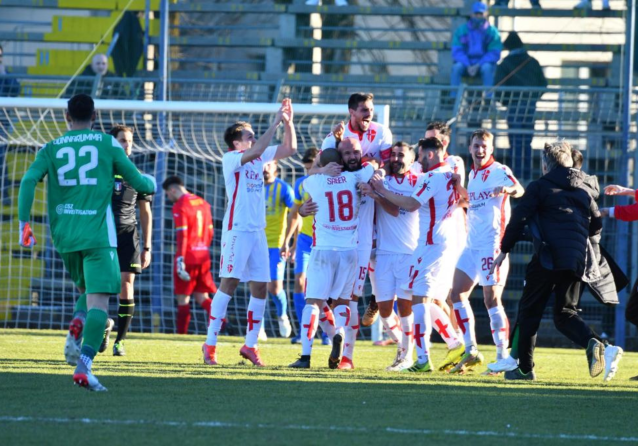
(309, 319)
(443, 326)
(407, 341)
(500, 327)
(351, 330)
(327, 321)
(256, 309)
(342, 319)
(422, 331)
(465, 319)
(217, 314)
(391, 327)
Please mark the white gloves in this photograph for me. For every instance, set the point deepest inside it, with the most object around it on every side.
(181, 269)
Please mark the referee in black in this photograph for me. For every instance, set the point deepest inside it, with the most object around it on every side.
(132, 259)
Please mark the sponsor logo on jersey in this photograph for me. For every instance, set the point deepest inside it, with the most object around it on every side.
(252, 175)
(67, 209)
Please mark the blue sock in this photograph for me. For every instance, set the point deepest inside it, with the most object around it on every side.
(300, 302)
(280, 304)
(283, 299)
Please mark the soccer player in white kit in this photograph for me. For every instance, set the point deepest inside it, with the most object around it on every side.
(333, 258)
(489, 187)
(397, 235)
(437, 196)
(244, 254)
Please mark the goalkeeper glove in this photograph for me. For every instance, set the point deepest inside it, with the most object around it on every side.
(26, 235)
(181, 270)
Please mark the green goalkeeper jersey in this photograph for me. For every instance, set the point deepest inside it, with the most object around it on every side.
(80, 165)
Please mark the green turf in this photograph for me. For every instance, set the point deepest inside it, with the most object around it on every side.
(169, 396)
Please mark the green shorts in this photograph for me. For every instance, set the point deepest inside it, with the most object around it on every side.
(97, 270)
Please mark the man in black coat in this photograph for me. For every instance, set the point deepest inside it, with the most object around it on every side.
(519, 69)
(563, 216)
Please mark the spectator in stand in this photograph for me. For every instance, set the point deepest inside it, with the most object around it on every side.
(476, 48)
(99, 67)
(519, 69)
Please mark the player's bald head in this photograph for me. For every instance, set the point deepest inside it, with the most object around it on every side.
(350, 150)
(329, 156)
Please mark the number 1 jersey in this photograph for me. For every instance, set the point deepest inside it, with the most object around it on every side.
(337, 220)
(80, 165)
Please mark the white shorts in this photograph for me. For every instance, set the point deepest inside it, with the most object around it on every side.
(391, 271)
(363, 262)
(476, 263)
(245, 256)
(431, 271)
(330, 274)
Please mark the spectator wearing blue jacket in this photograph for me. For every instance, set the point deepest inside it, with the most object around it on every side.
(476, 48)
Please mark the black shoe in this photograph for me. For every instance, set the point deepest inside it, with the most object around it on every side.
(517, 374)
(107, 335)
(337, 350)
(302, 363)
(595, 357)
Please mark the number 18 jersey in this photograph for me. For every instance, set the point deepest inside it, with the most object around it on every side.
(337, 220)
(80, 166)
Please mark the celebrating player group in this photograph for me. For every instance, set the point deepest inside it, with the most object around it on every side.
(403, 214)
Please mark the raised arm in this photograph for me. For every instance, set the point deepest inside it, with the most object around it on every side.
(264, 141)
(408, 203)
(289, 145)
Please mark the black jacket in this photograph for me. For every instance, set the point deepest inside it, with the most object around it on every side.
(530, 74)
(566, 215)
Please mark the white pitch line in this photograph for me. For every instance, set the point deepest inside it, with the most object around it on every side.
(301, 427)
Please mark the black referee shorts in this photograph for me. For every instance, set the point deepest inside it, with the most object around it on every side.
(128, 250)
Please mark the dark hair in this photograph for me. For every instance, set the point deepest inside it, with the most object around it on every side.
(358, 98)
(172, 181)
(513, 41)
(577, 158)
(117, 128)
(310, 155)
(233, 133)
(329, 156)
(430, 144)
(442, 127)
(81, 107)
(481, 134)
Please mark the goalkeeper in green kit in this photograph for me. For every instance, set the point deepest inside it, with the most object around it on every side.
(80, 166)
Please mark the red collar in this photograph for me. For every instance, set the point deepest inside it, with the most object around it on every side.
(359, 134)
(435, 167)
(488, 164)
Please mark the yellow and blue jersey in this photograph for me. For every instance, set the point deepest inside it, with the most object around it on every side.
(302, 196)
(279, 199)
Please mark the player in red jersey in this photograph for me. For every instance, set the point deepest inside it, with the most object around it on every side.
(194, 234)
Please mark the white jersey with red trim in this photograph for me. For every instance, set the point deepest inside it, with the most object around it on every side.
(439, 200)
(398, 235)
(487, 216)
(246, 210)
(375, 143)
(366, 224)
(337, 219)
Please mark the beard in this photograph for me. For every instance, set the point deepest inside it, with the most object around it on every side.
(352, 166)
(396, 167)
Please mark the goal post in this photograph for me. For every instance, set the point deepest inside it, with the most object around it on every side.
(170, 138)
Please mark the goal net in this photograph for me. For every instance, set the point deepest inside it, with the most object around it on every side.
(172, 138)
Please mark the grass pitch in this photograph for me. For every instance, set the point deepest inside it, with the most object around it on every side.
(162, 393)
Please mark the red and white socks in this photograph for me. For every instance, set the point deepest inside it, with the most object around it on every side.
(465, 319)
(407, 341)
(309, 321)
(218, 309)
(342, 319)
(443, 326)
(500, 331)
(327, 320)
(422, 331)
(255, 317)
(351, 330)
(391, 325)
